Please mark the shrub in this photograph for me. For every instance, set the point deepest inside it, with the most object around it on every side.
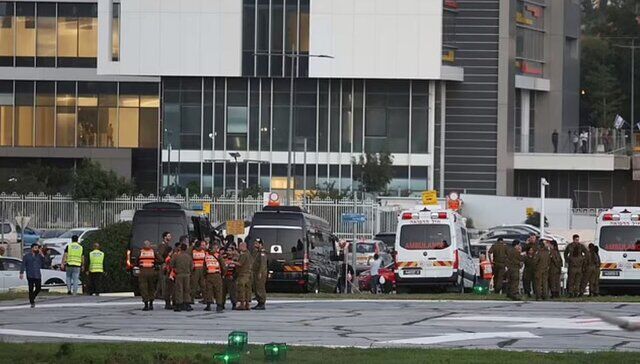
(114, 241)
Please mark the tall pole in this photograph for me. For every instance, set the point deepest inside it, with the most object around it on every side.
(169, 166)
(235, 208)
(543, 187)
(288, 194)
(633, 92)
(304, 178)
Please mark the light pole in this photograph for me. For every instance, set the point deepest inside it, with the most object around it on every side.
(292, 56)
(235, 156)
(543, 187)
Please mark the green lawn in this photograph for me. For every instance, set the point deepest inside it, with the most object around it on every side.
(186, 354)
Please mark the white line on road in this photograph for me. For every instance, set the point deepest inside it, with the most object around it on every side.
(103, 338)
(430, 340)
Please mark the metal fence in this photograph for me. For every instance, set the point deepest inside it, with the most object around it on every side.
(62, 212)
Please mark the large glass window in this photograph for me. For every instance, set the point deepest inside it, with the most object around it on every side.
(387, 116)
(25, 34)
(45, 114)
(46, 35)
(6, 33)
(6, 113)
(419, 116)
(87, 31)
(66, 114)
(24, 114)
(271, 29)
(129, 120)
(67, 33)
(115, 32)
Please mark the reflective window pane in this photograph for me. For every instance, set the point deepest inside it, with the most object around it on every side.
(66, 114)
(148, 128)
(45, 114)
(128, 131)
(25, 34)
(115, 33)
(46, 35)
(6, 33)
(67, 31)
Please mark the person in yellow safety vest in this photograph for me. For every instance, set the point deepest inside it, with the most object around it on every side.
(96, 269)
(197, 276)
(72, 262)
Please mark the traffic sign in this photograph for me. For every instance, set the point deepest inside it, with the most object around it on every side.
(355, 218)
(206, 208)
(430, 197)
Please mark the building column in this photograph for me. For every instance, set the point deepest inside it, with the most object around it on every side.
(525, 114)
(432, 132)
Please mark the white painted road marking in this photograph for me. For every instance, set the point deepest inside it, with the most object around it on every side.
(103, 338)
(582, 323)
(430, 340)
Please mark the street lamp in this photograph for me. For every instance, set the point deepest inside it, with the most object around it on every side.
(543, 187)
(292, 56)
(235, 156)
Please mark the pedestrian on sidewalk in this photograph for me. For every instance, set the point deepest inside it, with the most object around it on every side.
(72, 263)
(96, 270)
(32, 263)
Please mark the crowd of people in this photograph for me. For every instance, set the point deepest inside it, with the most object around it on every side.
(542, 273)
(212, 271)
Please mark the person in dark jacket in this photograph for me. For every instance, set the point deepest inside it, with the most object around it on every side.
(31, 264)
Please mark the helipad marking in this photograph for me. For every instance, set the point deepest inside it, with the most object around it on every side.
(584, 323)
(430, 340)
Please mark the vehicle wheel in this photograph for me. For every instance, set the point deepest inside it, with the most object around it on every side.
(54, 282)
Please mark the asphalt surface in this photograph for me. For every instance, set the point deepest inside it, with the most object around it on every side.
(540, 326)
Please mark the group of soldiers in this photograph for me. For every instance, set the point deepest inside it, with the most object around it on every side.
(211, 270)
(543, 264)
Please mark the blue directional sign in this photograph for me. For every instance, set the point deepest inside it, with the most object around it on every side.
(354, 218)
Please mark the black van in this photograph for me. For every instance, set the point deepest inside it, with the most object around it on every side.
(158, 217)
(300, 247)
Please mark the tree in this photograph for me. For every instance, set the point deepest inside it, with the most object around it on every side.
(376, 171)
(327, 191)
(92, 183)
(254, 191)
(114, 242)
(534, 220)
(36, 178)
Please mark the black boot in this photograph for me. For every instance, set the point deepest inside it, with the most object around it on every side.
(167, 306)
(208, 308)
(259, 306)
(219, 308)
(178, 308)
(188, 308)
(146, 306)
(150, 305)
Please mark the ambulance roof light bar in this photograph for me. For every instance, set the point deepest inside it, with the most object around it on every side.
(611, 217)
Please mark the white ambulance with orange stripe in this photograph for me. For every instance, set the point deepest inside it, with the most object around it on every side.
(618, 237)
(433, 251)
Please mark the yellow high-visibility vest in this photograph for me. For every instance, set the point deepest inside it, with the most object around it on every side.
(74, 255)
(96, 261)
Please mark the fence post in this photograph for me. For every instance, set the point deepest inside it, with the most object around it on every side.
(75, 214)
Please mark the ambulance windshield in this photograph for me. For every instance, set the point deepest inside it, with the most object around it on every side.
(425, 237)
(620, 238)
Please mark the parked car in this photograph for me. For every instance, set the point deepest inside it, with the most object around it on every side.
(388, 238)
(365, 250)
(10, 275)
(64, 239)
(29, 236)
(364, 279)
(51, 233)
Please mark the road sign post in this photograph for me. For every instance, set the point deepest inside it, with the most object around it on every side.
(354, 219)
(22, 221)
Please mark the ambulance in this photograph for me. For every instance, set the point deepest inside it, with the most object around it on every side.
(433, 251)
(618, 237)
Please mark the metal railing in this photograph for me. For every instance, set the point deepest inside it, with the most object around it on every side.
(575, 141)
(62, 212)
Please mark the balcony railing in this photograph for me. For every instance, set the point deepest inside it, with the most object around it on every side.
(585, 141)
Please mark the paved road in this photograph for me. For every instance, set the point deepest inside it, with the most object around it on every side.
(543, 326)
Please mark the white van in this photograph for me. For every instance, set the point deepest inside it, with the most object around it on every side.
(433, 250)
(618, 237)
